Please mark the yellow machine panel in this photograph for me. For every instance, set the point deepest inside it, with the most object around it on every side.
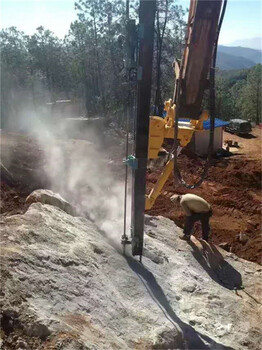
(163, 128)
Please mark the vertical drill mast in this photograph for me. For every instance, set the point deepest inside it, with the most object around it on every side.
(144, 76)
(193, 77)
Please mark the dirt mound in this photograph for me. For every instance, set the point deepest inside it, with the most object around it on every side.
(232, 171)
(12, 200)
(24, 160)
(238, 173)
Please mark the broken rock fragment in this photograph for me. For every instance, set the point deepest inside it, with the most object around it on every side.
(49, 197)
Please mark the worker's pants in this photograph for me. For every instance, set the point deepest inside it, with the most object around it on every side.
(203, 218)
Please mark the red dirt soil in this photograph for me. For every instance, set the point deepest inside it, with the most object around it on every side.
(23, 158)
(233, 189)
(12, 200)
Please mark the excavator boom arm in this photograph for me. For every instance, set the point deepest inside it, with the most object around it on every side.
(201, 36)
(191, 82)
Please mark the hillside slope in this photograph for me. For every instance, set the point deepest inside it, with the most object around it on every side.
(245, 52)
(230, 62)
(237, 57)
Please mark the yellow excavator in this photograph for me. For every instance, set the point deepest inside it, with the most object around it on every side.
(161, 129)
(194, 74)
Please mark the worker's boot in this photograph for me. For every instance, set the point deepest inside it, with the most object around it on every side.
(185, 237)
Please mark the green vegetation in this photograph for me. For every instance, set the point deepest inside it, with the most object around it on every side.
(238, 94)
(88, 66)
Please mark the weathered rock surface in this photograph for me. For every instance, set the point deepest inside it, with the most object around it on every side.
(49, 197)
(63, 277)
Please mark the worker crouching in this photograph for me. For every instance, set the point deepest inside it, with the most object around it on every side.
(196, 209)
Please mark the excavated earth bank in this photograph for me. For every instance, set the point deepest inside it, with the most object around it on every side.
(234, 189)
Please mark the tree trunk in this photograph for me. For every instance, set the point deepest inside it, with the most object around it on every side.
(160, 36)
(257, 106)
(101, 85)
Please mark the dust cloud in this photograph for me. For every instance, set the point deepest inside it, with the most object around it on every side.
(84, 165)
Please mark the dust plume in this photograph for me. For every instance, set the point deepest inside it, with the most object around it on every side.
(83, 162)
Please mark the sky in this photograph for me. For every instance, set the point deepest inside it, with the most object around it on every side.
(27, 15)
(243, 18)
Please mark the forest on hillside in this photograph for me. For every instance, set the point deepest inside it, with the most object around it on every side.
(88, 65)
(238, 94)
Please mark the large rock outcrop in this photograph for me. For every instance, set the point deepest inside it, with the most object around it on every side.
(66, 283)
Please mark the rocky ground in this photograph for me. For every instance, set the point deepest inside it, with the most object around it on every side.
(65, 285)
